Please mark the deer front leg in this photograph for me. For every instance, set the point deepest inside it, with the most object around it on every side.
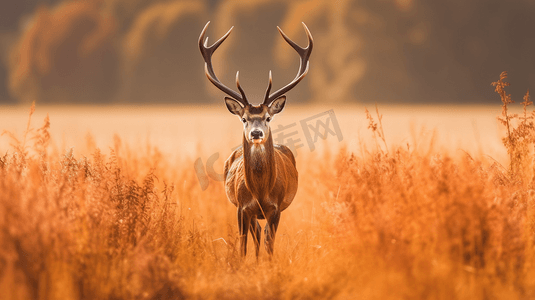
(271, 229)
(244, 221)
(256, 232)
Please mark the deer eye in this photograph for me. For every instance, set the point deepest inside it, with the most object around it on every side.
(243, 120)
(268, 119)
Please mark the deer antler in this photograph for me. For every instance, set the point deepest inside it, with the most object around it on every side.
(304, 53)
(209, 70)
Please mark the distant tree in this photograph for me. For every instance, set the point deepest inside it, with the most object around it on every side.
(12, 11)
(12, 15)
(368, 51)
(336, 65)
(161, 59)
(67, 54)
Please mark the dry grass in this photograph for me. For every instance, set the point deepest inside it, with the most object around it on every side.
(389, 222)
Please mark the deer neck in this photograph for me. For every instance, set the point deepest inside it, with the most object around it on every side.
(259, 165)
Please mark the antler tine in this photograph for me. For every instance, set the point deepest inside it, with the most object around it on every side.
(270, 83)
(304, 53)
(239, 86)
(208, 68)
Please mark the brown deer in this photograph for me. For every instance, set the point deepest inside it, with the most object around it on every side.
(260, 177)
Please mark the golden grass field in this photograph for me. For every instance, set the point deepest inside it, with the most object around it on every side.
(104, 203)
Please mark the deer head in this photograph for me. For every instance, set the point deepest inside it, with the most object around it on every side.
(255, 118)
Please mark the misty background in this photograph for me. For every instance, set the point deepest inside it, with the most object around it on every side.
(384, 51)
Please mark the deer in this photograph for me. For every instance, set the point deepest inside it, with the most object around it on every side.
(260, 177)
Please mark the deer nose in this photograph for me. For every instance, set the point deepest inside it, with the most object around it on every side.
(257, 134)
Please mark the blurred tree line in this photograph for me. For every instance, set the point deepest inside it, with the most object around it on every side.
(135, 51)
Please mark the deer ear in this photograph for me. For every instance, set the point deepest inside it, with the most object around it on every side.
(277, 105)
(234, 106)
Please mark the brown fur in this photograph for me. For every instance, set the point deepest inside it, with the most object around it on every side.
(261, 183)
